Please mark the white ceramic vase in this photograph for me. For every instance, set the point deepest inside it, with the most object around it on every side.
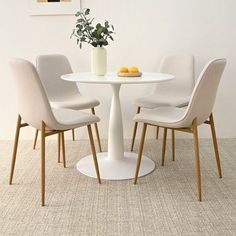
(99, 61)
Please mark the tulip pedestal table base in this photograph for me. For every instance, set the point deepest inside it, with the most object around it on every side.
(116, 164)
(115, 169)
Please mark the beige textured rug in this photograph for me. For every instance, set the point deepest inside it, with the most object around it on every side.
(163, 203)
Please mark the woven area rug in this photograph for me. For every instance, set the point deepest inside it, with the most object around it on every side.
(162, 203)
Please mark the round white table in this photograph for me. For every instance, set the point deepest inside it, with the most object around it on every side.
(116, 164)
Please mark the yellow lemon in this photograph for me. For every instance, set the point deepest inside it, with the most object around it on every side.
(133, 69)
(124, 70)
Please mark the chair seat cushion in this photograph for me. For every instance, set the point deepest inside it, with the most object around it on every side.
(70, 119)
(153, 101)
(162, 116)
(75, 102)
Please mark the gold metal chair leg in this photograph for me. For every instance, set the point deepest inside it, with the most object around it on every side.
(164, 147)
(63, 149)
(140, 152)
(73, 134)
(35, 138)
(214, 139)
(43, 136)
(97, 132)
(173, 144)
(15, 148)
(134, 132)
(59, 147)
(157, 132)
(94, 152)
(197, 159)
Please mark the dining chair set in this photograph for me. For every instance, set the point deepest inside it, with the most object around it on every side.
(53, 106)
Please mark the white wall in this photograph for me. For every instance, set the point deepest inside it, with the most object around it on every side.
(145, 31)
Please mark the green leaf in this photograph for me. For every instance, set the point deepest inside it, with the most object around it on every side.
(94, 44)
(105, 30)
(105, 43)
(106, 24)
(102, 40)
(98, 26)
(78, 13)
(94, 33)
(87, 11)
(79, 33)
(80, 20)
(90, 28)
(99, 31)
(79, 26)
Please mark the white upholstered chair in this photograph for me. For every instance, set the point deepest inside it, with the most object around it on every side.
(187, 119)
(62, 94)
(35, 110)
(173, 93)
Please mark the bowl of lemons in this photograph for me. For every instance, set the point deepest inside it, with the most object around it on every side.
(132, 71)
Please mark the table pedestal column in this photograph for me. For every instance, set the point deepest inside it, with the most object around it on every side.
(115, 164)
(115, 136)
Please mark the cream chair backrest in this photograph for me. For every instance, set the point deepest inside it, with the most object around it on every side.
(33, 104)
(50, 69)
(182, 67)
(204, 94)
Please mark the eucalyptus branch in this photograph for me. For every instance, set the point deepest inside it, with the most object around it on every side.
(83, 16)
(85, 32)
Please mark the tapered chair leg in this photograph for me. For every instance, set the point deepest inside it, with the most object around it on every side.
(73, 134)
(59, 147)
(157, 132)
(97, 132)
(135, 131)
(35, 138)
(13, 162)
(214, 139)
(94, 153)
(63, 149)
(134, 135)
(173, 144)
(164, 147)
(43, 163)
(197, 160)
(140, 152)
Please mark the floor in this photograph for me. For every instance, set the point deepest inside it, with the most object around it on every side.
(162, 203)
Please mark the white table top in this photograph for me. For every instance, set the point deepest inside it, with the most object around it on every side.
(112, 78)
